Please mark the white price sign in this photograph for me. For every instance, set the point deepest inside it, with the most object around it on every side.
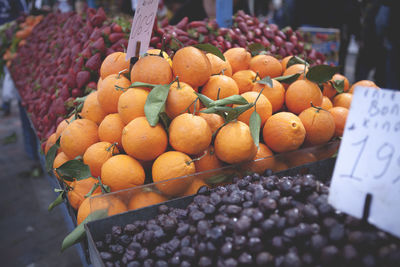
(366, 179)
(142, 26)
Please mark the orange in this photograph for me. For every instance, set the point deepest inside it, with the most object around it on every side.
(110, 129)
(172, 164)
(245, 80)
(296, 68)
(189, 134)
(156, 52)
(238, 58)
(181, 95)
(99, 83)
(301, 94)
(142, 141)
(266, 65)
(92, 110)
(195, 186)
(280, 166)
(59, 160)
(263, 107)
(214, 121)
(122, 172)
(284, 62)
(62, 125)
(112, 204)
(326, 103)
(330, 91)
(151, 69)
(144, 199)
(340, 116)
(365, 83)
(298, 158)
(275, 94)
(78, 136)
(131, 104)
(284, 132)
(222, 83)
(263, 160)
(97, 154)
(343, 100)
(319, 125)
(234, 144)
(113, 64)
(207, 160)
(192, 66)
(79, 189)
(218, 66)
(50, 142)
(108, 95)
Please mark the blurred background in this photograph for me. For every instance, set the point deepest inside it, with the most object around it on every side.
(369, 43)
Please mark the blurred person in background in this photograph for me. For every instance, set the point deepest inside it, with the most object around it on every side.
(200, 9)
(387, 21)
(9, 11)
(340, 14)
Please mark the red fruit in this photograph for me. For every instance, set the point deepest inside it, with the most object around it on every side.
(82, 78)
(99, 45)
(86, 53)
(64, 93)
(116, 28)
(71, 79)
(114, 37)
(78, 64)
(92, 85)
(76, 92)
(120, 45)
(183, 23)
(96, 34)
(106, 30)
(94, 62)
(98, 19)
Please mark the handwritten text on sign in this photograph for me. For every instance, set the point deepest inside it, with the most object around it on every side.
(369, 159)
(142, 26)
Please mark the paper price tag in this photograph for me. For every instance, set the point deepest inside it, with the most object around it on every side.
(142, 26)
(366, 178)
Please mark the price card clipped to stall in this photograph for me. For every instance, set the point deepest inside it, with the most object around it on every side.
(366, 179)
(142, 26)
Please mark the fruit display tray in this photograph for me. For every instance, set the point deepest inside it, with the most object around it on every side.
(96, 230)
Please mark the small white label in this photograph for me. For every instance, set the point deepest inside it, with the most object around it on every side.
(142, 26)
(369, 159)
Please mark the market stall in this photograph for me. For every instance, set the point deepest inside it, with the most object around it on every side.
(202, 145)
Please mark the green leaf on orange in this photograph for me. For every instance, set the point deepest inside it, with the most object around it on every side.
(74, 169)
(256, 48)
(58, 201)
(210, 49)
(338, 85)
(255, 126)
(321, 73)
(51, 155)
(208, 102)
(230, 100)
(266, 80)
(288, 78)
(155, 103)
(79, 233)
(296, 60)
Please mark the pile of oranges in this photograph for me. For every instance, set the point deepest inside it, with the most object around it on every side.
(115, 139)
